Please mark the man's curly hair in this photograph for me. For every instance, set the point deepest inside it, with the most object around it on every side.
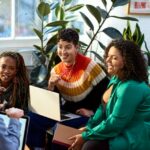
(69, 35)
(135, 67)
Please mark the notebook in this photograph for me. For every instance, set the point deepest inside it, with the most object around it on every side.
(24, 128)
(47, 104)
(62, 133)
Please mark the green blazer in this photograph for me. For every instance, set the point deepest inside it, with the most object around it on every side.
(125, 121)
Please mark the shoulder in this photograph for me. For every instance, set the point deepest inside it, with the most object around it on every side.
(133, 86)
(56, 68)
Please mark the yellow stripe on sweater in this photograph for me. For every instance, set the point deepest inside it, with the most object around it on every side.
(78, 87)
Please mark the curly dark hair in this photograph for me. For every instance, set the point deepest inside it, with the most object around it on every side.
(135, 67)
(20, 84)
(69, 35)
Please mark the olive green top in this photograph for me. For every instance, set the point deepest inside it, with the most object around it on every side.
(125, 121)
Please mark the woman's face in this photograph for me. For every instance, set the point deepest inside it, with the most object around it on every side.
(67, 51)
(114, 61)
(7, 69)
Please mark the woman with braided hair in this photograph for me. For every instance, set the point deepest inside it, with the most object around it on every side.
(14, 83)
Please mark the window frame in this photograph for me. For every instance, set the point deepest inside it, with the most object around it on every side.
(13, 42)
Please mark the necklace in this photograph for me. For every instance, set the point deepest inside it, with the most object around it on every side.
(67, 73)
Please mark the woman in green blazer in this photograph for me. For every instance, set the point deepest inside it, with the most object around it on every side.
(122, 122)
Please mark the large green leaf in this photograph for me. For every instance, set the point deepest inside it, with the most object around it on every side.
(104, 2)
(98, 56)
(37, 47)
(138, 30)
(141, 40)
(112, 32)
(38, 33)
(146, 47)
(127, 35)
(127, 32)
(50, 48)
(62, 14)
(74, 8)
(53, 29)
(43, 9)
(38, 75)
(101, 45)
(83, 44)
(135, 36)
(125, 18)
(71, 17)
(95, 12)
(103, 12)
(57, 23)
(59, 12)
(117, 3)
(52, 40)
(87, 20)
(89, 34)
(53, 5)
(67, 2)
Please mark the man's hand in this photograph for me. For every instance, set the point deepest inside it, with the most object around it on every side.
(84, 112)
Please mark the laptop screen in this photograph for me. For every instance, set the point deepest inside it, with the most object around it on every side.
(24, 128)
(47, 104)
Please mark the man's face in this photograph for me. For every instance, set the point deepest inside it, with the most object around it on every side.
(67, 51)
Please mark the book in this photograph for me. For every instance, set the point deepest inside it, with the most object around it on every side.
(63, 133)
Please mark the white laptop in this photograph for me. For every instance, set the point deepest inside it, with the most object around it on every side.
(47, 104)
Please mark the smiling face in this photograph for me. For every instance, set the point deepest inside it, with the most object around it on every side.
(7, 70)
(114, 61)
(67, 52)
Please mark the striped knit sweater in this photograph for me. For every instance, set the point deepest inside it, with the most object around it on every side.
(78, 80)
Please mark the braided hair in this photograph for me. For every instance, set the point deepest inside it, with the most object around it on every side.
(20, 84)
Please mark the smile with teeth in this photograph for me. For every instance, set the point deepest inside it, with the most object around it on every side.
(5, 77)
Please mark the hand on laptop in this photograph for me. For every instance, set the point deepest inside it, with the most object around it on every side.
(14, 112)
(84, 112)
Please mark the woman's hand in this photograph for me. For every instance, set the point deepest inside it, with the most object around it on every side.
(84, 112)
(14, 112)
(78, 142)
(82, 129)
(53, 81)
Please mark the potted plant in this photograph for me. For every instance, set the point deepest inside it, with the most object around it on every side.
(48, 50)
